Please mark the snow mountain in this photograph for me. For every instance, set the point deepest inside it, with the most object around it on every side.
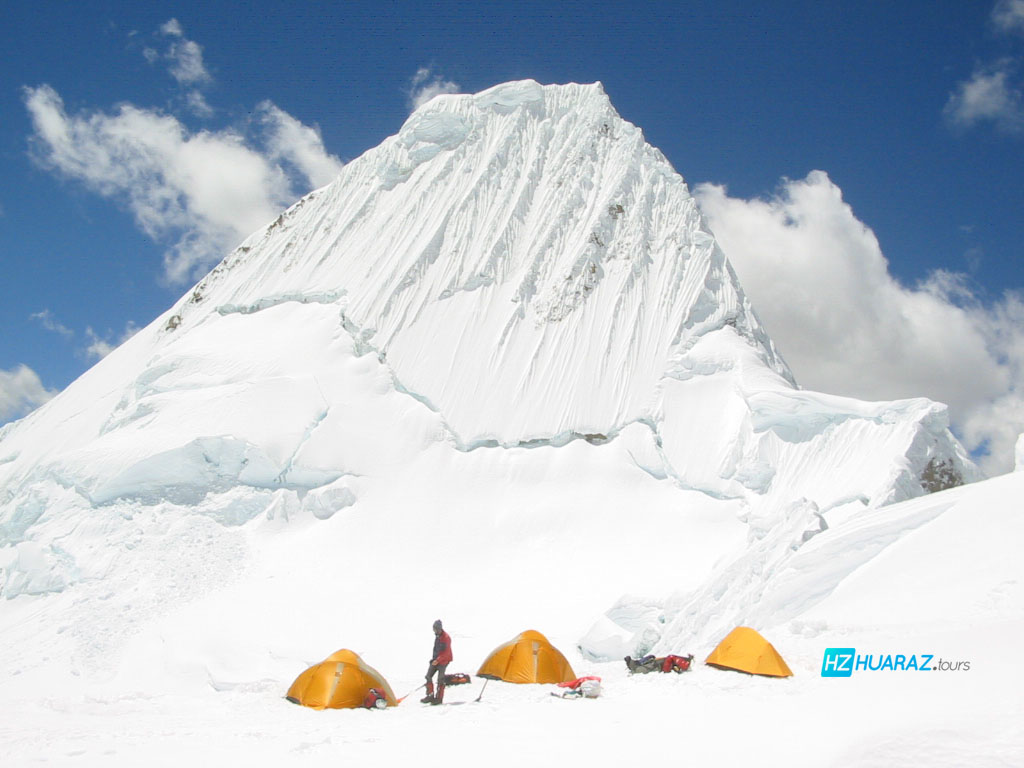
(525, 267)
(500, 355)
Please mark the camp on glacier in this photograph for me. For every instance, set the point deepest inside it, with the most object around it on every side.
(500, 372)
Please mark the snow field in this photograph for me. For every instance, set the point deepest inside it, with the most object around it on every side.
(200, 675)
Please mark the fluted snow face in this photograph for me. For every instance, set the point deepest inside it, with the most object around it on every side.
(524, 261)
(513, 268)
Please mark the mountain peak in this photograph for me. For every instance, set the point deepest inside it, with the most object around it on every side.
(538, 212)
(529, 94)
(513, 269)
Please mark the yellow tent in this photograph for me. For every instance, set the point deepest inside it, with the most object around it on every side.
(745, 650)
(340, 681)
(529, 658)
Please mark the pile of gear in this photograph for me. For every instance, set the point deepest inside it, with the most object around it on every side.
(588, 687)
(652, 663)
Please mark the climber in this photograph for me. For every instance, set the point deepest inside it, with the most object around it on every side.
(439, 661)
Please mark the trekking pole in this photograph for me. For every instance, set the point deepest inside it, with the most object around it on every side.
(482, 689)
(410, 693)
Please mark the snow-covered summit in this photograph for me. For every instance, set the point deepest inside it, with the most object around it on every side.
(525, 245)
(515, 269)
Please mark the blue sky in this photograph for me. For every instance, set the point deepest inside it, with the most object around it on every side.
(882, 141)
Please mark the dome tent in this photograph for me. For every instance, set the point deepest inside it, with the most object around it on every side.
(745, 650)
(341, 681)
(528, 658)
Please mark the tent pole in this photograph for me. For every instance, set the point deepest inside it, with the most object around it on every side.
(482, 689)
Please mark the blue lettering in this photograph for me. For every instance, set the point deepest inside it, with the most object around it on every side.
(912, 663)
(887, 663)
(901, 662)
(863, 661)
(872, 667)
(927, 660)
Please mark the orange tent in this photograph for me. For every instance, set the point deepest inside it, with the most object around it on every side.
(340, 681)
(529, 658)
(745, 650)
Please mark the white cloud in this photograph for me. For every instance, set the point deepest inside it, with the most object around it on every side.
(1008, 15)
(47, 319)
(99, 346)
(818, 279)
(425, 85)
(206, 190)
(21, 391)
(994, 93)
(187, 63)
(186, 56)
(197, 105)
(988, 96)
(172, 28)
(290, 141)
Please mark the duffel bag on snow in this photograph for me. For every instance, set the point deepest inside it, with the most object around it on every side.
(676, 663)
(457, 678)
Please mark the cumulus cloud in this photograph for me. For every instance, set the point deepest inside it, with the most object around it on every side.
(988, 96)
(47, 319)
(818, 279)
(425, 85)
(291, 141)
(1008, 16)
(203, 190)
(21, 391)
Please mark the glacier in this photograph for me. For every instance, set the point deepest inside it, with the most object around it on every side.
(514, 268)
(500, 356)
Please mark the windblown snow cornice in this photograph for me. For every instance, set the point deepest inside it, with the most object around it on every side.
(524, 261)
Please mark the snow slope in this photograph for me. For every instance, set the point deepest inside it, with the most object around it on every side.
(498, 372)
(173, 663)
